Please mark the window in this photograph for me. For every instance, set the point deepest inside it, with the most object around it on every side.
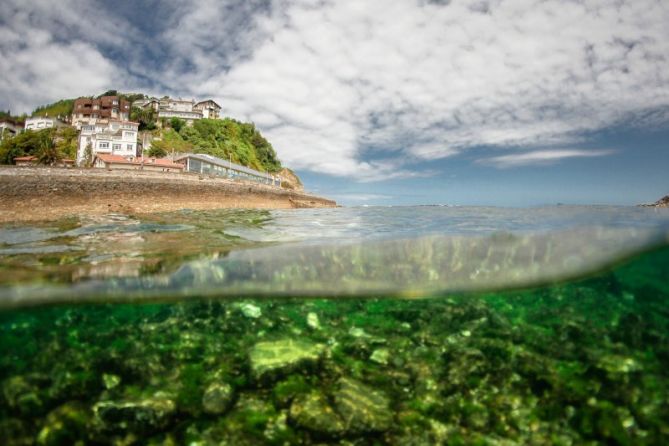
(128, 135)
(115, 102)
(116, 147)
(103, 145)
(129, 147)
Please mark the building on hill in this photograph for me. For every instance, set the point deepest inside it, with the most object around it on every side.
(208, 108)
(112, 137)
(88, 111)
(186, 109)
(211, 165)
(118, 162)
(9, 128)
(42, 122)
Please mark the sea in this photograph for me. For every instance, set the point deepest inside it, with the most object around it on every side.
(423, 325)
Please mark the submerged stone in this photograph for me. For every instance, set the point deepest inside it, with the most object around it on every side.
(363, 409)
(217, 398)
(313, 412)
(269, 359)
(380, 356)
(312, 321)
(135, 416)
(251, 311)
(64, 425)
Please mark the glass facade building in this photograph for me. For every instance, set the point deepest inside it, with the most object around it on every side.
(211, 165)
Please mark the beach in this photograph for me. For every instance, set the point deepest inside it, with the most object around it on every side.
(43, 193)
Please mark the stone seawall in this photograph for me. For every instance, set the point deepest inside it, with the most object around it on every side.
(42, 193)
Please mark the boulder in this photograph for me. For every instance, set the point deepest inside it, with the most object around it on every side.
(362, 408)
(217, 398)
(135, 416)
(313, 412)
(274, 358)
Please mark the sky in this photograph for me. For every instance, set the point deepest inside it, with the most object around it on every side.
(376, 102)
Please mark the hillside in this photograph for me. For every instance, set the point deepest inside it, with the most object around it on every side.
(227, 138)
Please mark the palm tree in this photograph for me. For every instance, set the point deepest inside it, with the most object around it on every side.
(47, 152)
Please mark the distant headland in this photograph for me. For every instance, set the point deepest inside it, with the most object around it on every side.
(661, 203)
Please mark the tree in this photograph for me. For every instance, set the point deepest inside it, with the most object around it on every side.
(47, 152)
(67, 141)
(88, 156)
(146, 118)
(177, 124)
(157, 152)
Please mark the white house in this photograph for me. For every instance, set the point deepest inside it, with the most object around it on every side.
(8, 128)
(186, 109)
(41, 122)
(108, 137)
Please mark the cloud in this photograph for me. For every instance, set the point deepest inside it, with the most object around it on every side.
(540, 157)
(368, 90)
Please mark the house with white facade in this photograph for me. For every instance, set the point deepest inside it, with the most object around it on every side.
(186, 109)
(110, 137)
(42, 122)
(208, 108)
(9, 128)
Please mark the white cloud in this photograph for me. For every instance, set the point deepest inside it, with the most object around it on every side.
(420, 81)
(336, 84)
(540, 157)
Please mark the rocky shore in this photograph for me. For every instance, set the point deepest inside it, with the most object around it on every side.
(41, 193)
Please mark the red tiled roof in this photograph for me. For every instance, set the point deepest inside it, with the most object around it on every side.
(25, 158)
(160, 162)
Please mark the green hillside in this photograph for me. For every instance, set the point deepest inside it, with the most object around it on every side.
(226, 138)
(60, 108)
(240, 142)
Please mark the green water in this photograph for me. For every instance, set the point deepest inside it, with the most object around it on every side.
(582, 362)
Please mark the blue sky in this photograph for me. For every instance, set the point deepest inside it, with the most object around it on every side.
(496, 102)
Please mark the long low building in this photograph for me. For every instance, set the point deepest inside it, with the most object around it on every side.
(211, 165)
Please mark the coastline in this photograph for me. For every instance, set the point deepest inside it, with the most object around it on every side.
(44, 193)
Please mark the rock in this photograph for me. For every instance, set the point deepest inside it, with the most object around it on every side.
(110, 381)
(251, 311)
(363, 409)
(313, 412)
(313, 322)
(269, 359)
(380, 356)
(22, 394)
(217, 398)
(136, 416)
(64, 425)
(290, 181)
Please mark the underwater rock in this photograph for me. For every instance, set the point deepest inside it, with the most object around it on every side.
(110, 381)
(251, 311)
(313, 412)
(362, 408)
(217, 398)
(312, 321)
(64, 425)
(135, 416)
(269, 359)
(22, 393)
(380, 356)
